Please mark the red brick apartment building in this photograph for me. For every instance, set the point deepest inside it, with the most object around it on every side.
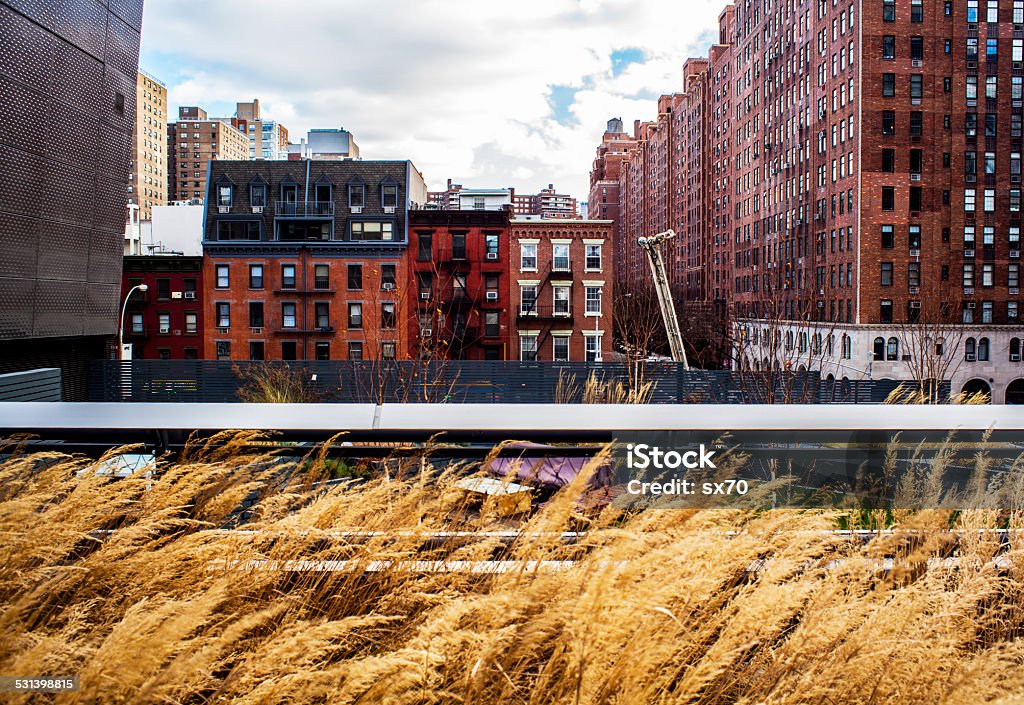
(561, 287)
(307, 260)
(841, 161)
(459, 279)
(166, 321)
(604, 200)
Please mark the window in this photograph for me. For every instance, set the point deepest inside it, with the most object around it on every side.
(972, 90)
(224, 193)
(916, 161)
(137, 326)
(223, 349)
(970, 165)
(878, 350)
(255, 276)
(223, 315)
(372, 232)
(255, 314)
(163, 289)
(916, 119)
(593, 347)
(990, 124)
(972, 10)
(888, 10)
(914, 274)
(888, 239)
(916, 11)
(491, 324)
(888, 198)
(888, 122)
(990, 200)
(223, 279)
(355, 277)
(889, 160)
(988, 274)
(191, 353)
(387, 315)
(990, 87)
(916, 88)
(321, 276)
(528, 257)
(289, 350)
(322, 312)
(561, 300)
(914, 237)
(1013, 276)
(1011, 312)
(322, 350)
(164, 323)
(355, 315)
(892, 350)
(992, 11)
(991, 50)
(246, 230)
(424, 247)
(889, 47)
(1014, 349)
(983, 350)
(288, 315)
(560, 348)
(287, 276)
(560, 257)
(888, 85)
(970, 348)
(1018, 11)
(528, 300)
(969, 197)
(389, 196)
(968, 275)
(356, 196)
(491, 286)
(917, 48)
(972, 48)
(528, 347)
(886, 276)
(258, 196)
(355, 351)
(388, 278)
(971, 125)
(593, 258)
(915, 198)
(491, 246)
(593, 299)
(458, 246)
(885, 310)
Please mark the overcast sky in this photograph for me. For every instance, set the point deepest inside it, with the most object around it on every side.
(487, 93)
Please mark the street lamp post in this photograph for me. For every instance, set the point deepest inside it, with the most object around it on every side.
(120, 331)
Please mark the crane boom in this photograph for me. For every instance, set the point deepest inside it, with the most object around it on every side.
(652, 245)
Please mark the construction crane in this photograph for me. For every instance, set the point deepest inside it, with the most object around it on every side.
(652, 245)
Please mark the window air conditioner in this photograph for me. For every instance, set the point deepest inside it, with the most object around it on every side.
(224, 209)
(492, 296)
(492, 255)
(189, 294)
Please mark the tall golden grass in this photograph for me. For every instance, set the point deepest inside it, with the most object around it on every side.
(137, 586)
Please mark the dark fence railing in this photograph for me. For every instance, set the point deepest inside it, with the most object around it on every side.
(198, 381)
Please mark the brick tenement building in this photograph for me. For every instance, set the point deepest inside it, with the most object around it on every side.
(561, 287)
(192, 143)
(148, 177)
(307, 260)
(166, 321)
(459, 279)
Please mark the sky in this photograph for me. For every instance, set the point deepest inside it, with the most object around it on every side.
(487, 93)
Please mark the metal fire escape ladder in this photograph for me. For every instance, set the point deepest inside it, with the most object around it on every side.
(652, 246)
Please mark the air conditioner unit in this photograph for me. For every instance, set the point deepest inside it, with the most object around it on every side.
(189, 294)
(969, 253)
(387, 286)
(914, 289)
(357, 209)
(915, 177)
(915, 253)
(223, 330)
(175, 294)
(968, 291)
(389, 210)
(426, 332)
(492, 255)
(916, 63)
(1014, 254)
(972, 26)
(256, 331)
(257, 209)
(915, 304)
(224, 209)
(1014, 291)
(425, 296)
(971, 304)
(1014, 357)
(972, 64)
(492, 296)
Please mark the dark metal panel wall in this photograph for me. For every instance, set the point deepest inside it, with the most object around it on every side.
(65, 147)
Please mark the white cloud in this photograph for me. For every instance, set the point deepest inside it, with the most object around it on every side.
(461, 87)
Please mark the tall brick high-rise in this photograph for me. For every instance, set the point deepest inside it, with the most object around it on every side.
(854, 165)
(192, 142)
(148, 187)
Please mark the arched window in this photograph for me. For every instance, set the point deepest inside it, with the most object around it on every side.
(803, 342)
(970, 347)
(892, 350)
(847, 347)
(816, 344)
(1014, 349)
(983, 349)
(879, 352)
(789, 340)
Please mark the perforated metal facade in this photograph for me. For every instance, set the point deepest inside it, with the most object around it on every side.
(67, 112)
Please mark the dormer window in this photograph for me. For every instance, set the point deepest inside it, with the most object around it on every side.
(258, 195)
(389, 194)
(289, 193)
(356, 195)
(224, 194)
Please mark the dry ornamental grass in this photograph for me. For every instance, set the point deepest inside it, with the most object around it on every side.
(159, 590)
